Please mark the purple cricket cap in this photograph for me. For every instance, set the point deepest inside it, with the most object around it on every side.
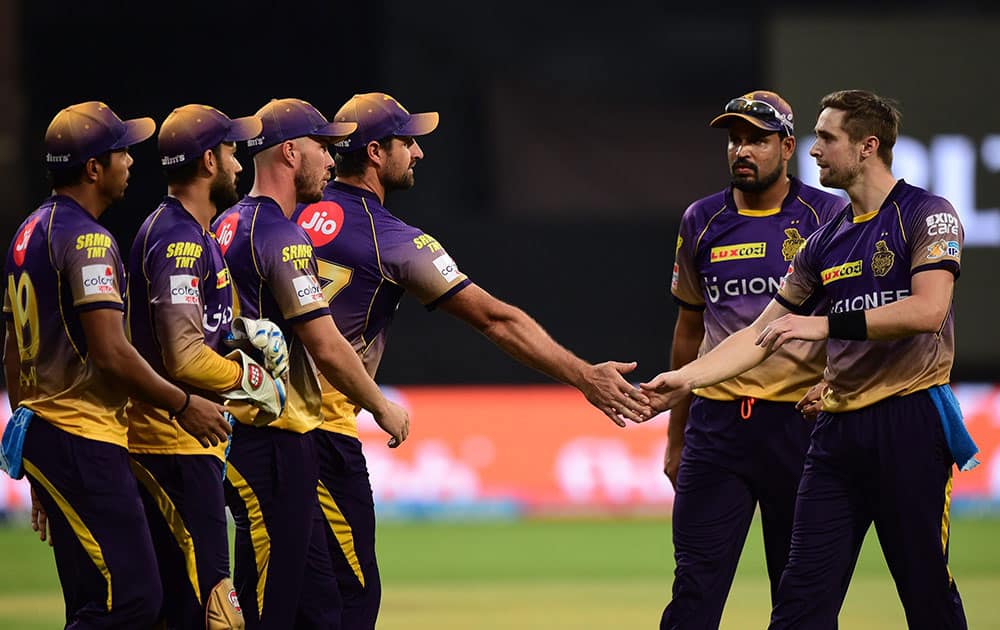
(86, 130)
(379, 116)
(191, 130)
(290, 118)
(760, 108)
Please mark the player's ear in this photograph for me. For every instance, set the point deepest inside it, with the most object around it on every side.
(375, 152)
(209, 162)
(91, 169)
(869, 147)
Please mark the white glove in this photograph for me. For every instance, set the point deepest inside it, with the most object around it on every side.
(264, 335)
(258, 388)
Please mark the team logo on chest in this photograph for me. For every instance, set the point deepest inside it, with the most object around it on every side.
(792, 244)
(882, 259)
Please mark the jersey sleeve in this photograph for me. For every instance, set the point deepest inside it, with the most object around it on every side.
(288, 267)
(176, 267)
(685, 282)
(90, 264)
(419, 263)
(801, 284)
(936, 238)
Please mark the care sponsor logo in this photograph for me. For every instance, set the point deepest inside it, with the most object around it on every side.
(307, 289)
(847, 270)
(226, 231)
(447, 267)
(98, 279)
(942, 224)
(322, 221)
(21, 243)
(739, 251)
(184, 290)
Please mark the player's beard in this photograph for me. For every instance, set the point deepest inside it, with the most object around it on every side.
(222, 192)
(755, 183)
(399, 181)
(842, 178)
(309, 183)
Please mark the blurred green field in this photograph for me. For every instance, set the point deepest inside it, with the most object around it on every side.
(543, 574)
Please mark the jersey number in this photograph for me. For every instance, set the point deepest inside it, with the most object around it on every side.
(25, 306)
(333, 277)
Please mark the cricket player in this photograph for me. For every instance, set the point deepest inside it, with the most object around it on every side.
(886, 268)
(743, 443)
(70, 370)
(368, 258)
(181, 310)
(283, 574)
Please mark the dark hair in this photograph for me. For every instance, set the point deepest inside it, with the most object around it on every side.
(63, 177)
(867, 114)
(353, 163)
(185, 173)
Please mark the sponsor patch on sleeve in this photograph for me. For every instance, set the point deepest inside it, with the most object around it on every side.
(184, 290)
(98, 279)
(447, 267)
(307, 289)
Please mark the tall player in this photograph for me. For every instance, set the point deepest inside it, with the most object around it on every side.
(367, 259)
(283, 573)
(70, 369)
(181, 309)
(743, 443)
(886, 267)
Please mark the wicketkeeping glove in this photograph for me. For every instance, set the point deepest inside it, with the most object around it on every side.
(258, 388)
(265, 336)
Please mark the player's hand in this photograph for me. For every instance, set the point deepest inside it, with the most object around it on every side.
(811, 404)
(259, 388)
(264, 335)
(39, 519)
(396, 422)
(672, 461)
(204, 420)
(605, 388)
(666, 390)
(793, 327)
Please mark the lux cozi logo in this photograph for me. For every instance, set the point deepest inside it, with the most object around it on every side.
(738, 251)
(847, 270)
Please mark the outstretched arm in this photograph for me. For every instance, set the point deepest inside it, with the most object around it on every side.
(523, 338)
(735, 355)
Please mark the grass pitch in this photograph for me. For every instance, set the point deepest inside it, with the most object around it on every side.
(545, 574)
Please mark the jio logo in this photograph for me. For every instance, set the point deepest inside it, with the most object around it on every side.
(322, 221)
(226, 231)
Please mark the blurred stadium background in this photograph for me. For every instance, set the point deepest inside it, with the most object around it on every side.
(572, 138)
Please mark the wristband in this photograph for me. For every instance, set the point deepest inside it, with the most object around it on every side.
(851, 325)
(187, 401)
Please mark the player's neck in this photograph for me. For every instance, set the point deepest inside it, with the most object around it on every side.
(196, 202)
(767, 199)
(368, 181)
(87, 197)
(278, 185)
(870, 190)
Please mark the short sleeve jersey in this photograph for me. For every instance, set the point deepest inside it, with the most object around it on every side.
(729, 262)
(63, 262)
(862, 262)
(273, 268)
(180, 300)
(367, 260)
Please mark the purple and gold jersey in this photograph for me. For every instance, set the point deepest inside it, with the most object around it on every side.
(367, 259)
(273, 268)
(729, 262)
(63, 262)
(180, 307)
(862, 262)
